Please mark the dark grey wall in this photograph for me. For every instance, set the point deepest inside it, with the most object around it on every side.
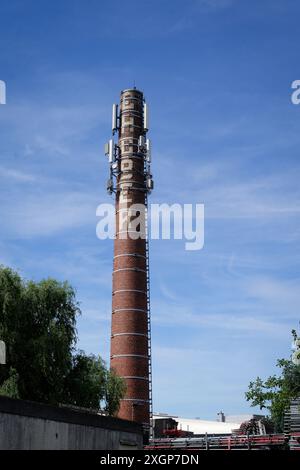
(28, 425)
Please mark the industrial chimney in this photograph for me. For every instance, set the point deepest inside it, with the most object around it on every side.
(131, 181)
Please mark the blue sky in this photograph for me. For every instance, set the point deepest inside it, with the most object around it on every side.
(217, 75)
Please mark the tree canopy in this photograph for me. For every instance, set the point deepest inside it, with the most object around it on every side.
(38, 325)
(276, 392)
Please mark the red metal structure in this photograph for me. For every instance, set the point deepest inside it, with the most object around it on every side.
(262, 442)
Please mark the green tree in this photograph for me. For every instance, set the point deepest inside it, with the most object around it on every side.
(275, 393)
(9, 387)
(38, 325)
(114, 390)
(86, 383)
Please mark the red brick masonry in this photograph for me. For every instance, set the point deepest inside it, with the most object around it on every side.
(129, 342)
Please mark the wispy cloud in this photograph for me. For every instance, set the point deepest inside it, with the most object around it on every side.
(182, 316)
(48, 214)
(19, 176)
(281, 295)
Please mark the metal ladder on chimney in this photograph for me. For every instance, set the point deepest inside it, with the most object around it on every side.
(148, 318)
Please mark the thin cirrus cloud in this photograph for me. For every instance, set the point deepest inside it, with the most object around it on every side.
(227, 192)
(43, 214)
(17, 176)
(179, 316)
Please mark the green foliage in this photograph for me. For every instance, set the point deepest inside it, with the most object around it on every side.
(38, 325)
(275, 393)
(85, 385)
(114, 391)
(9, 388)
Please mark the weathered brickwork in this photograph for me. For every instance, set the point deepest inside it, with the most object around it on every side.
(129, 342)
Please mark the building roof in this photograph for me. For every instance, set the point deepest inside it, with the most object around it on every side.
(199, 426)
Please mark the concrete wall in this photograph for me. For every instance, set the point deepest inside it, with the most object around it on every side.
(28, 425)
